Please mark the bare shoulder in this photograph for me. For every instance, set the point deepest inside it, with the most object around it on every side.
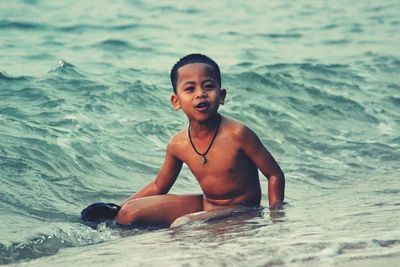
(177, 141)
(238, 130)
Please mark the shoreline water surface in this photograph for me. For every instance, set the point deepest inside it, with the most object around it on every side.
(85, 117)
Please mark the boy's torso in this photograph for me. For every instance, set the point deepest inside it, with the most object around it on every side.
(228, 177)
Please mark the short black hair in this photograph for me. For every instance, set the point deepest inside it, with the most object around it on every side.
(191, 59)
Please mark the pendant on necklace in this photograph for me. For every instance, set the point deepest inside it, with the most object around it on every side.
(203, 159)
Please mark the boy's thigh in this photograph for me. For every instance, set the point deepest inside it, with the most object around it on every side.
(161, 209)
(216, 213)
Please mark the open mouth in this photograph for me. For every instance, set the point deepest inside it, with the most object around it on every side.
(202, 106)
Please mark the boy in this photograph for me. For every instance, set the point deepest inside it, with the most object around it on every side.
(223, 155)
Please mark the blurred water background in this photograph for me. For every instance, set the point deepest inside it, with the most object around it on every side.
(85, 117)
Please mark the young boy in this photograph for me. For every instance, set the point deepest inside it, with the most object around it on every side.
(223, 154)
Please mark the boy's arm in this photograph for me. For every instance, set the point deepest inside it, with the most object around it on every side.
(256, 151)
(166, 177)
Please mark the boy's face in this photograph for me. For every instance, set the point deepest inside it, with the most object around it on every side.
(198, 93)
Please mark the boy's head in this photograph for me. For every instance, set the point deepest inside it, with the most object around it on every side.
(191, 59)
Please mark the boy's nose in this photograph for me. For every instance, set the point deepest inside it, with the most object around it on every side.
(201, 93)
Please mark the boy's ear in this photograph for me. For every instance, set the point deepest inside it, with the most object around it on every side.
(175, 102)
(222, 96)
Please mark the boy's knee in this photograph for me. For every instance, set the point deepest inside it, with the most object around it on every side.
(126, 215)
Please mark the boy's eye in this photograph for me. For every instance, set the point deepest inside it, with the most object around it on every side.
(209, 86)
(188, 89)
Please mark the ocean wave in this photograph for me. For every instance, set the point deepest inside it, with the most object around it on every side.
(51, 242)
(62, 64)
(336, 42)
(95, 126)
(19, 25)
(120, 45)
(79, 28)
(7, 77)
(82, 28)
(281, 35)
(116, 43)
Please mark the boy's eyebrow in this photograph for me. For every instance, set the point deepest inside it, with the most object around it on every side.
(188, 82)
(208, 80)
(204, 81)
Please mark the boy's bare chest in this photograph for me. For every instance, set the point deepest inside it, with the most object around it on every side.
(226, 172)
(223, 157)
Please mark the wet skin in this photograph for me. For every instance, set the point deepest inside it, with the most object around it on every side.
(230, 175)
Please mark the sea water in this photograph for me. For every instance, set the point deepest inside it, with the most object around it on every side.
(85, 117)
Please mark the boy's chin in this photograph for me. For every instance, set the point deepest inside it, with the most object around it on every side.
(204, 117)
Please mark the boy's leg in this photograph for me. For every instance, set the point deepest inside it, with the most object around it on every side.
(216, 213)
(158, 210)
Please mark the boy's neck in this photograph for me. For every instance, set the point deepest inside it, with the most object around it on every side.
(205, 127)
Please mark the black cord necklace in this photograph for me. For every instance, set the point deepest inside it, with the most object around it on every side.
(203, 155)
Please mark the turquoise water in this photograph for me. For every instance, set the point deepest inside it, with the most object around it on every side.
(85, 117)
